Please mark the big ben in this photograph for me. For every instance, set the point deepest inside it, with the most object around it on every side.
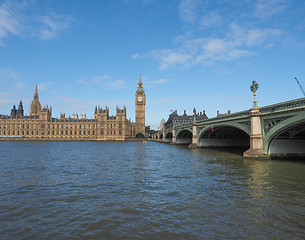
(140, 108)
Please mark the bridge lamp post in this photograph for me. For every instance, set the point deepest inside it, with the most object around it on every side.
(254, 88)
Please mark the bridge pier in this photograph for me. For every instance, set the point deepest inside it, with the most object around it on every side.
(174, 136)
(256, 139)
(194, 143)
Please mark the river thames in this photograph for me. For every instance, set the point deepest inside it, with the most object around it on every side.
(129, 190)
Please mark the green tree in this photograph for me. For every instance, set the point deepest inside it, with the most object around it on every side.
(139, 135)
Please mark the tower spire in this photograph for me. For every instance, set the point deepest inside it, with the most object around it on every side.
(140, 84)
(36, 94)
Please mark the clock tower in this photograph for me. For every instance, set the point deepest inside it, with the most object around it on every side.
(140, 108)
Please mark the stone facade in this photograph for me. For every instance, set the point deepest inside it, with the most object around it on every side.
(179, 120)
(40, 125)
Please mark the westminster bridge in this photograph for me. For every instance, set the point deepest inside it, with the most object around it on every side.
(274, 130)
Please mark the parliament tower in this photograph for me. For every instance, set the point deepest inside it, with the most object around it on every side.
(140, 108)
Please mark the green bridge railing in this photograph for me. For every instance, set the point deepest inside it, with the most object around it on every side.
(293, 104)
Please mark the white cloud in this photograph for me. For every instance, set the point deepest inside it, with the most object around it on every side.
(188, 10)
(257, 37)
(135, 56)
(268, 8)
(210, 20)
(16, 20)
(237, 43)
(52, 25)
(8, 22)
(168, 58)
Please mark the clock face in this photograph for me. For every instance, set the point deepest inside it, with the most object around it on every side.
(140, 99)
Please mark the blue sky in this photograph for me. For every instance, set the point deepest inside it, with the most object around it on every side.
(191, 53)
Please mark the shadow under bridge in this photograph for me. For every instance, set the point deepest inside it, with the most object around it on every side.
(289, 142)
(223, 136)
(169, 137)
(184, 137)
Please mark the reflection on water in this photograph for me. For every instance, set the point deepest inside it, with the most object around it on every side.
(129, 190)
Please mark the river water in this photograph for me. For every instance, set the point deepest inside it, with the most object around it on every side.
(129, 190)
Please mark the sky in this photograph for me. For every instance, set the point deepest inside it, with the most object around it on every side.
(190, 53)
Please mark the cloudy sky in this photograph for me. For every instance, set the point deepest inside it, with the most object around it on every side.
(191, 53)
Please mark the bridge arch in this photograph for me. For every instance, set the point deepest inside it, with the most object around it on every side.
(161, 137)
(287, 138)
(168, 137)
(224, 135)
(184, 136)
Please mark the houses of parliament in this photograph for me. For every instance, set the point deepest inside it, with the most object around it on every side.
(40, 125)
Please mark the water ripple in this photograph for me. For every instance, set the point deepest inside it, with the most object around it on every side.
(90, 190)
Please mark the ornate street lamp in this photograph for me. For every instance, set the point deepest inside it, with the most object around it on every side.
(254, 88)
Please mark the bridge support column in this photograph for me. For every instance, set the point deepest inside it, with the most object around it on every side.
(194, 143)
(163, 139)
(256, 139)
(174, 136)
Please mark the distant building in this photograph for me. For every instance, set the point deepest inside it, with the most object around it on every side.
(179, 120)
(75, 116)
(41, 125)
(223, 114)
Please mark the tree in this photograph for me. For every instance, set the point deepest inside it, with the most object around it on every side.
(139, 135)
